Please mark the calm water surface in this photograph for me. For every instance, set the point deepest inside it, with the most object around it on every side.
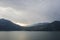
(29, 35)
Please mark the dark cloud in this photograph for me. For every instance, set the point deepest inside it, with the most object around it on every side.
(31, 11)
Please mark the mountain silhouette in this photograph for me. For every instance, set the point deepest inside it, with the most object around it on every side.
(54, 26)
(6, 25)
(37, 27)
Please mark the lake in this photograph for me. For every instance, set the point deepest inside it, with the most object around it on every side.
(29, 35)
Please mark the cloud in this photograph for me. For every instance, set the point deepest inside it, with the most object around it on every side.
(11, 14)
(30, 11)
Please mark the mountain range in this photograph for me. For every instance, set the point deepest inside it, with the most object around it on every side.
(7, 25)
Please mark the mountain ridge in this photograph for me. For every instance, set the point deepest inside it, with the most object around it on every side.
(7, 25)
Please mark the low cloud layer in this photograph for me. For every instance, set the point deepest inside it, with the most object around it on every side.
(30, 11)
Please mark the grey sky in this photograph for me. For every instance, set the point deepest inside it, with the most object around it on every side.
(30, 11)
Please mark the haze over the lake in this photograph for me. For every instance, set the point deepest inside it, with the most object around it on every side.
(30, 11)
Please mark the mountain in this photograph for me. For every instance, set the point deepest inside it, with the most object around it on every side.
(6, 25)
(54, 26)
(37, 27)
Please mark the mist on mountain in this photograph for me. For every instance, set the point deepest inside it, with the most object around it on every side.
(54, 26)
(7, 25)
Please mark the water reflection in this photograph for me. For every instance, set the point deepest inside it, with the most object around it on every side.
(18, 35)
(26, 35)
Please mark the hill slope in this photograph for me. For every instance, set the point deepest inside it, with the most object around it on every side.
(6, 25)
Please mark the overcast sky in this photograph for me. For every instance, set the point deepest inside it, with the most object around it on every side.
(30, 11)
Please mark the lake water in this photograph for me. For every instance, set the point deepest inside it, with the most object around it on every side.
(29, 35)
